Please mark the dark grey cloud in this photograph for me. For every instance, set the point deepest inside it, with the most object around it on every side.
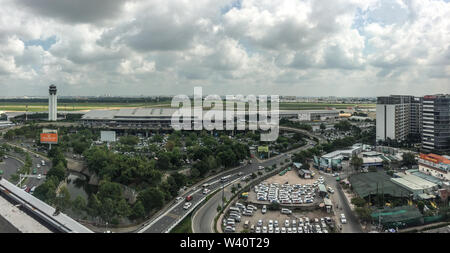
(76, 11)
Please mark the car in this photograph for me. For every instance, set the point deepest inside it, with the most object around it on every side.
(277, 230)
(300, 230)
(336, 175)
(189, 198)
(294, 230)
(28, 189)
(316, 220)
(260, 167)
(34, 171)
(294, 223)
(271, 230)
(258, 230)
(24, 187)
(229, 229)
(289, 230)
(206, 191)
(283, 230)
(270, 222)
(275, 223)
(343, 220)
(260, 223)
(39, 176)
(38, 166)
(187, 205)
(264, 229)
(285, 211)
(264, 209)
(286, 223)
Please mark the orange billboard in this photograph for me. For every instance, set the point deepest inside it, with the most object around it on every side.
(49, 138)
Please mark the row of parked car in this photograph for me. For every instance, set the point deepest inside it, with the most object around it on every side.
(292, 226)
(285, 193)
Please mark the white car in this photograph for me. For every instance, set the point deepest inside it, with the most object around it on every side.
(187, 205)
(178, 199)
(277, 230)
(286, 223)
(283, 230)
(264, 209)
(39, 176)
(259, 224)
(258, 230)
(264, 229)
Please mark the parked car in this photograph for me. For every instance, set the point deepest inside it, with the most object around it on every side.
(264, 209)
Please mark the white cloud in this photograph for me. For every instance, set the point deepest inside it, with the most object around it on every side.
(309, 47)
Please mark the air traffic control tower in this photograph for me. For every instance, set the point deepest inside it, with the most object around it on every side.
(52, 104)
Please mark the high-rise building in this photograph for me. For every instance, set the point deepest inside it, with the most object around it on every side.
(52, 104)
(436, 123)
(398, 116)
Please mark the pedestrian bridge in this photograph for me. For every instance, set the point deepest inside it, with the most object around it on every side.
(60, 222)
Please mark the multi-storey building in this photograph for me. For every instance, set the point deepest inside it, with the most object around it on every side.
(436, 123)
(398, 116)
(435, 165)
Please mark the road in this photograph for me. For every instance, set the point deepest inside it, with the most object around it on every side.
(338, 197)
(204, 217)
(12, 164)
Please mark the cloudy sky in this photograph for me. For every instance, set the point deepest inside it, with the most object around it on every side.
(165, 47)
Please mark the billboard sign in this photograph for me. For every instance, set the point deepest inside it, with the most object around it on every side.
(49, 136)
(263, 149)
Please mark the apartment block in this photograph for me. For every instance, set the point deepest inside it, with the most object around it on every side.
(436, 123)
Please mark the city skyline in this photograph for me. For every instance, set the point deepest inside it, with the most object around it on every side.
(301, 48)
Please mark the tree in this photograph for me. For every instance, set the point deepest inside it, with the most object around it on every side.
(63, 199)
(79, 204)
(322, 126)
(409, 160)
(356, 162)
(359, 202)
(364, 213)
(138, 210)
(57, 171)
(151, 198)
